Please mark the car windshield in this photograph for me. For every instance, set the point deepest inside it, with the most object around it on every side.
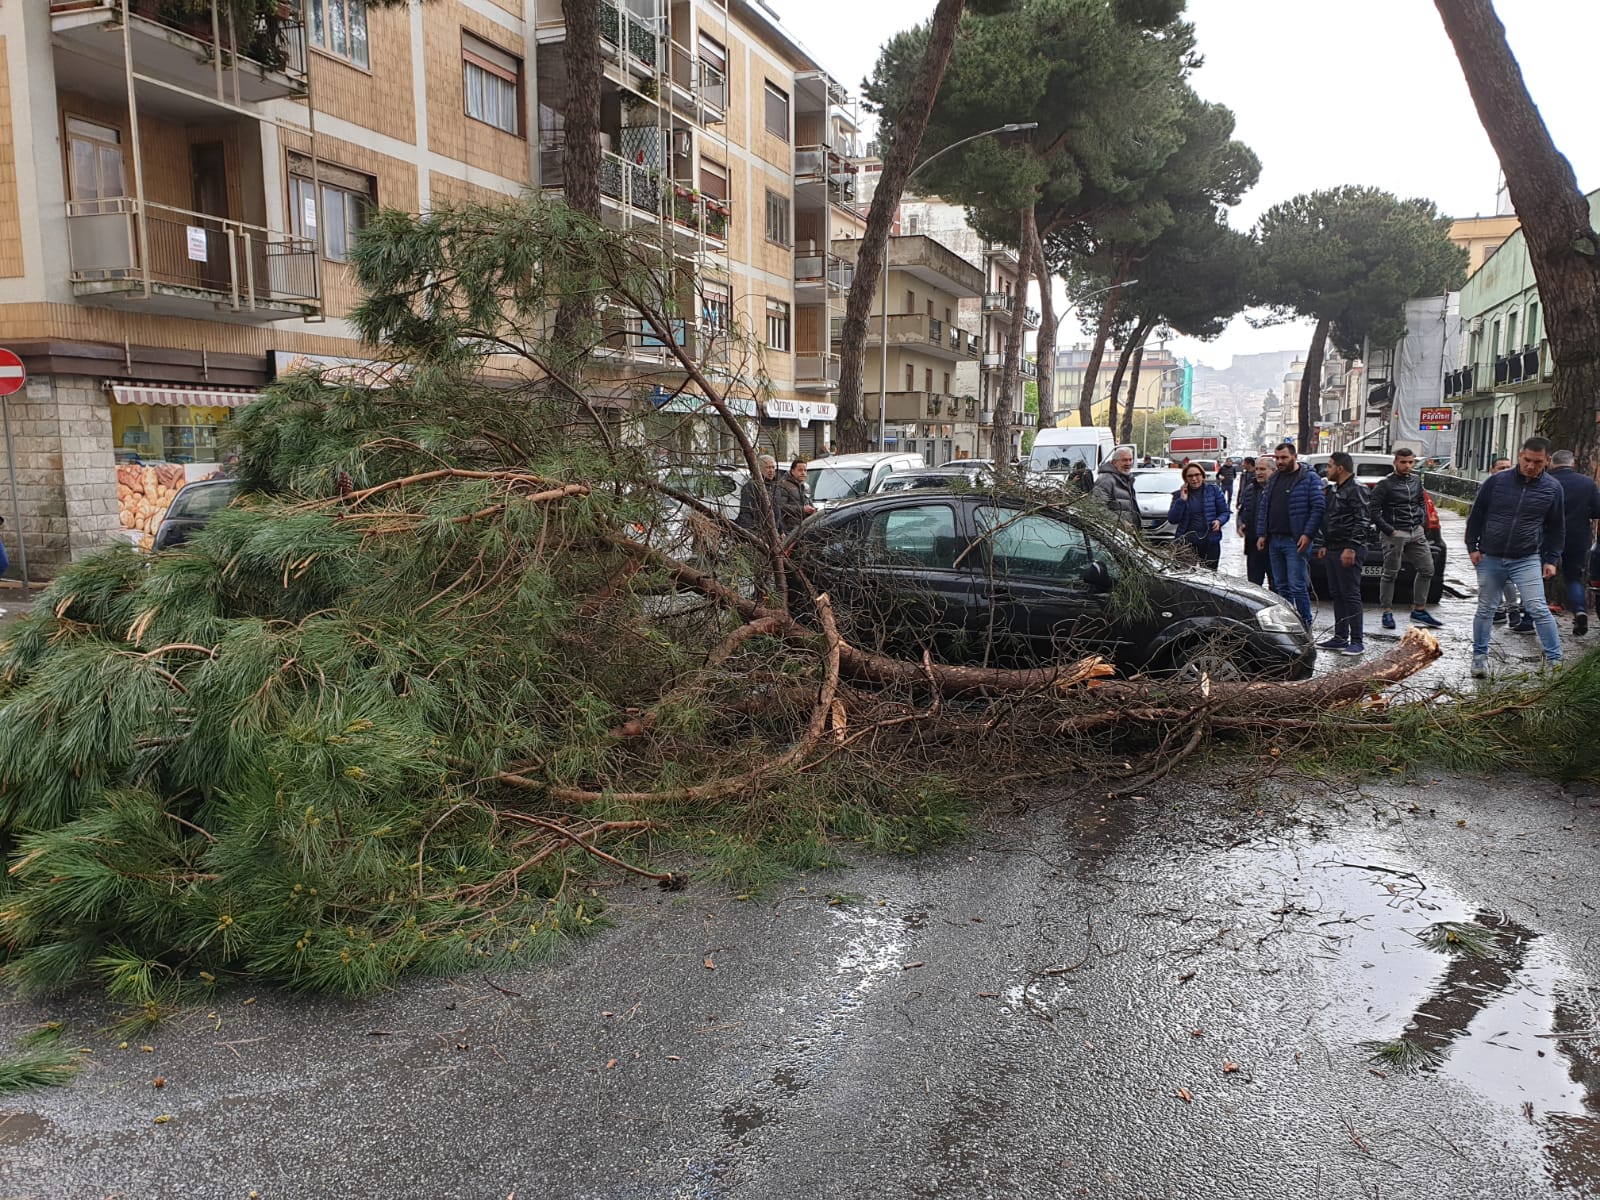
(839, 483)
(1063, 458)
(201, 501)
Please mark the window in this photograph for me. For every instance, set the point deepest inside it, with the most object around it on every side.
(1531, 331)
(920, 536)
(1512, 345)
(927, 379)
(714, 55)
(347, 199)
(717, 306)
(778, 219)
(713, 179)
(911, 301)
(94, 165)
(492, 82)
(777, 325)
(1034, 544)
(1494, 341)
(777, 111)
(340, 28)
(911, 378)
(912, 223)
(947, 383)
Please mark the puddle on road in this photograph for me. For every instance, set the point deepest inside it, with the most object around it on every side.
(1494, 1023)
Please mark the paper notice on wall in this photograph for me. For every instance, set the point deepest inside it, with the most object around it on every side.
(197, 243)
(310, 213)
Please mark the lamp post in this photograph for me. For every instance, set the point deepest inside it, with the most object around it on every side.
(883, 283)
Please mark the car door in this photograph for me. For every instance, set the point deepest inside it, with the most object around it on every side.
(910, 585)
(1042, 605)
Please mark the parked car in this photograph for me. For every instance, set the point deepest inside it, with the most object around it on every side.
(975, 577)
(191, 508)
(1153, 488)
(1369, 469)
(846, 476)
(972, 474)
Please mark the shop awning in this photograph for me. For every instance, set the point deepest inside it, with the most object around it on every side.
(178, 395)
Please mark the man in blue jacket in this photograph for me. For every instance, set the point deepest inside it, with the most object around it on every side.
(1582, 499)
(1516, 533)
(1288, 515)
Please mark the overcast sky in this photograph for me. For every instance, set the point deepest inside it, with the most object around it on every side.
(1355, 91)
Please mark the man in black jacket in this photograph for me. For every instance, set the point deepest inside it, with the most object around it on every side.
(1346, 529)
(1582, 500)
(1257, 562)
(1399, 508)
(1516, 532)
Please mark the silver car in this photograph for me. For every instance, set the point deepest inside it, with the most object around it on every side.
(1153, 487)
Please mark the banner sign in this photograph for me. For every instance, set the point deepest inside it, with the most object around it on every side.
(1436, 419)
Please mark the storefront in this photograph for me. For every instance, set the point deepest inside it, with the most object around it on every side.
(812, 435)
(163, 436)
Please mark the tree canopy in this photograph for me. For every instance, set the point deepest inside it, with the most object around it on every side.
(1349, 258)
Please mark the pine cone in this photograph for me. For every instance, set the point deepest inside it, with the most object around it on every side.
(343, 484)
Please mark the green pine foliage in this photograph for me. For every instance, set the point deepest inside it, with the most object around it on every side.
(276, 753)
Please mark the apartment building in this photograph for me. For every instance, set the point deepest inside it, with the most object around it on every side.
(1165, 381)
(725, 140)
(180, 182)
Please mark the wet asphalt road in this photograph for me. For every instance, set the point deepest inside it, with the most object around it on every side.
(1049, 1009)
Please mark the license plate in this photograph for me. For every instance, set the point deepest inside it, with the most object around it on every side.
(1372, 572)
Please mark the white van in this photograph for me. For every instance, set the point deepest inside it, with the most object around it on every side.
(846, 476)
(1068, 449)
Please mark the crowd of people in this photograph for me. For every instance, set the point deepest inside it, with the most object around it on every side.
(1527, 523)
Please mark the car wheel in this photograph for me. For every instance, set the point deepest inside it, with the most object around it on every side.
(1190, 660)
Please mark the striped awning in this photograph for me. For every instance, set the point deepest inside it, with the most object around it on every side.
(178, 395)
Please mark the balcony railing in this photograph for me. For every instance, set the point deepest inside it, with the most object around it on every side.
(1518, 369)
(697, 87)
(178, 42)
(905, 329)
(1028, 369)
(816, 370)
(701, 213)
(1031, 317)
(998, 302)
(124, 247)
(816, 269)
(624, 34)
(631, 184)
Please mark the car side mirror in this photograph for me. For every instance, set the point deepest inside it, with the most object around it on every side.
(1097, 577)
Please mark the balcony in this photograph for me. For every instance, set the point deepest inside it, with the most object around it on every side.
(694, 213)
(1031, 318)
(1519, 370)
(919, 406)
(813, 272)
(695, 87)
(926, 260)
(168, 260)
(1028, 369)
(629, 39)
(174, 48)
(1000, 303)
(816, 372)
(910, 330)
(826, 164)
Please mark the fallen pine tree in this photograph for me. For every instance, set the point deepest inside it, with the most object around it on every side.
(396, 707)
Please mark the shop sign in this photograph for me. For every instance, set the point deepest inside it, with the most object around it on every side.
(197, 242)
(1437, 419)
(804, 411)
(664, 400)
(336, 369)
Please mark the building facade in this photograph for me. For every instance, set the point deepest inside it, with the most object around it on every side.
(179, 194)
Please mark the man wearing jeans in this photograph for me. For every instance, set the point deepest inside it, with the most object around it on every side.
(1400, 511)
(1516, 533)
(1288, 515)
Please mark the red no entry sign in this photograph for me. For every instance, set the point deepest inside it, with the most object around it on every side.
(12, 374)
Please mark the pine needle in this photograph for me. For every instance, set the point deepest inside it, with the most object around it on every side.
(41, 1067)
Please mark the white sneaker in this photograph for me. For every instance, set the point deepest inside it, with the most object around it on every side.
(1480, 666)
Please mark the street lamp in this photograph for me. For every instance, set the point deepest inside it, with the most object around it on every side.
(883, 283)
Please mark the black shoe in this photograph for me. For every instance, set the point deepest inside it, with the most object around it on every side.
(1523, 624)
(1580, 624)
(1499, 616)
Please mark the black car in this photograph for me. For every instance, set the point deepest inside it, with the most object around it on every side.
(191, 508)
(1372, 569)
(978, 577)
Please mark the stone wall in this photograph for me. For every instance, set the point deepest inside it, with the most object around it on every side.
(65, 473)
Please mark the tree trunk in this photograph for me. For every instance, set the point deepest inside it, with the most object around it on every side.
(1134, 342)
(1011, 364)
(1091, 373)
(1125, 434)
(1047, 337)
(580, 149)
(851, 432)
(1311, 390)
(1562, 244)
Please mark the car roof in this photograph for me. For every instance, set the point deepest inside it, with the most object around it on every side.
(865, 459)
